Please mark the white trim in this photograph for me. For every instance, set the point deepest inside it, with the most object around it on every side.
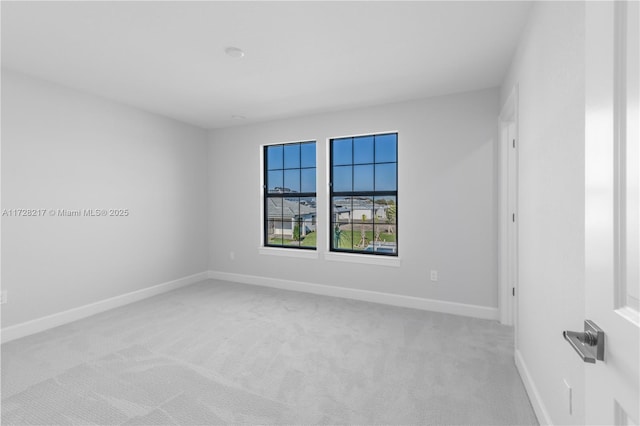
(503, 269)
(261, 198)
(303, 140)
(475, 311)
(349, 257)
(50, 321)
(357, 135)
(507, 234)
(532, 391)
(369, 259)
(292, 252)
(509, 109)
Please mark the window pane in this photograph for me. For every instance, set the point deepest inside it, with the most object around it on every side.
(292, 180)
(341, 209)
(342, 176)
(290, 210)
(274, 181)
(274, 208)
(308, 154)
(386, 177)
(308, 180)
(383, 240)
(363, 150)
(307, 222)
(363, 178)
(341, 226)
(362, 210)
(291, 156)
(277, 237)
(385, 210)
(292, 239)
(384, 233)
(274, 221)
(342, 150)
(270, 226)
(274, 157)
(297, 224)
(342, 236)
(386, 148)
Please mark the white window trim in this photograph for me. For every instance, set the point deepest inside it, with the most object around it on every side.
(277, 251)
(369, 259)
(288, 252)
(322, 226)
(363, 258)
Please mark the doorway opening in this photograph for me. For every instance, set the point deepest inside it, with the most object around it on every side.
(508, 212)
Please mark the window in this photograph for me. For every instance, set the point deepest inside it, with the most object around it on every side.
(290, 195)
(364, 194)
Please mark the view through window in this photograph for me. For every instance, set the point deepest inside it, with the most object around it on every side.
(290, 195)
(364, 194)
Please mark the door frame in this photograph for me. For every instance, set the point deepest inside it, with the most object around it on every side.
(508, 234)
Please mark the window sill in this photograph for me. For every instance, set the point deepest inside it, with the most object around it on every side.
(363, 258)
(300, 254)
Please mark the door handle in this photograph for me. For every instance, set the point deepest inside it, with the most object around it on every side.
(589, 344)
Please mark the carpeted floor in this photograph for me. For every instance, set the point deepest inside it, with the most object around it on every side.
(221, 353)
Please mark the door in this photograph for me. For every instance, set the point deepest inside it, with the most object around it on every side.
(611, 206)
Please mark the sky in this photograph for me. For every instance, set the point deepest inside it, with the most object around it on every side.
(365, 163)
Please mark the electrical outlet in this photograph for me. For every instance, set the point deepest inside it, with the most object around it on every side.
(434, 275)
(568, 392)
(3, 297)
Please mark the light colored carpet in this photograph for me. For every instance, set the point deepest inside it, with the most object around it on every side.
(220, 353)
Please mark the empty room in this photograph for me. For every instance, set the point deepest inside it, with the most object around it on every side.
(331, 212)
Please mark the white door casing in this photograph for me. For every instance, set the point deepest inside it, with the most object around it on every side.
(508, 228)
(512, 226)
(611, 209)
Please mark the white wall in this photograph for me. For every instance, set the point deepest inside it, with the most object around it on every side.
(62, 149)
(446, 209)
(549, 71)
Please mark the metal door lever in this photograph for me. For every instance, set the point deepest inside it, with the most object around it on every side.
(589, 344)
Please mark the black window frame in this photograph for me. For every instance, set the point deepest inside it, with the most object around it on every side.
(267, 196)
(372, 194)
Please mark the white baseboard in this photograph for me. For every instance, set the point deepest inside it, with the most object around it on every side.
(474, 311)
(50, 321)
(534, 396)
